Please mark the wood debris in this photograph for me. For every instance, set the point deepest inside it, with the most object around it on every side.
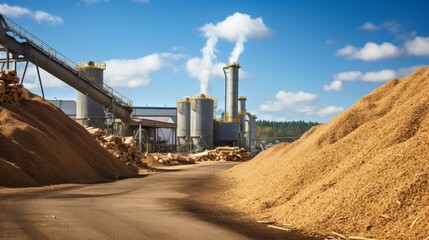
(361, 238)
(170, 159)
(279, 228)
(338, 235)
(222, 154)
(124, 149)
(266, 221)
(414, 222)
(10, 90)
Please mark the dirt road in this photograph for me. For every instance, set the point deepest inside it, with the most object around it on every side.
(150, 207)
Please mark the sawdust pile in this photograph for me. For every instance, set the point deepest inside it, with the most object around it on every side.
(365, 173)
(40, 145)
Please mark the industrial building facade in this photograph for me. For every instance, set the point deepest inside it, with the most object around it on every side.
(162, 139)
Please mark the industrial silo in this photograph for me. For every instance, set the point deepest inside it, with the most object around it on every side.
(183, 125)
(89, 112)
(243, 132)
(202, 111)
(252, 129)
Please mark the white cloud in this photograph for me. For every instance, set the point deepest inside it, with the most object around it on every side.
(287, 99)
(132, 72)
(348, 76)
(369, 26)
(41, 16)
(335, 85)
(136, 72)
(348, 50)
(419, 46)
(31, 80)
(299, 102)
(13, 11)
(236, 28)
(374, 76)
(119, 72)
(379, 76)
(328, 111)
(371, 51)
(38, 16)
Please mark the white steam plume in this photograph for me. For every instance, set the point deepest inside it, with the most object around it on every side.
(238, 49)
(237, 28)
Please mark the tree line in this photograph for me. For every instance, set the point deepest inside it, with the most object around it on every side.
(270, 131)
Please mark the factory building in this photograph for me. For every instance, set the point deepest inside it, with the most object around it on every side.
(158, 130)
(197, 128)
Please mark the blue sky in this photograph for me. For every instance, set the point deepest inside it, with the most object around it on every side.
(301, 60)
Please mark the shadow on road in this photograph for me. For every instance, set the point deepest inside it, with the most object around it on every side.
(210, 211)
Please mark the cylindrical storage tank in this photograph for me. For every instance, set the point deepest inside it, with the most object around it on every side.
(232, 112)
(88, 111)
(253, 131)
(202, 112)
(242, 105)
(183, 124)
(242, 117)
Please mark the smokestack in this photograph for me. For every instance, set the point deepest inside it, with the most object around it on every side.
(232, 111)
(242, 116)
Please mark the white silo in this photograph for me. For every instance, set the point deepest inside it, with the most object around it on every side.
(184, 125)
(88, 111)
(202, 111)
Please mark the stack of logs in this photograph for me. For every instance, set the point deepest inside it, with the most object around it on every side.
(10, 90)
(124, 149)
(172, 159)
(223, 154)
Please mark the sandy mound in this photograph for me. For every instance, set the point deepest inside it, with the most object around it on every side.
(40, 145)
(365, 173)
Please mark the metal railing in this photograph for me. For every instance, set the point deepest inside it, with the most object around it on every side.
(63, 60)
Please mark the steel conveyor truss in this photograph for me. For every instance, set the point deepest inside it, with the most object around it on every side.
(19, 42)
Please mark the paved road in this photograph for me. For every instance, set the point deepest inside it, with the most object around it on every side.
(137, 208)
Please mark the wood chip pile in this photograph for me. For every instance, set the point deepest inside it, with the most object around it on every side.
(124, 149)
(223, 154)
(10, 90)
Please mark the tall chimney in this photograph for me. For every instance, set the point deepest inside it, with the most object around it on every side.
(232, 110)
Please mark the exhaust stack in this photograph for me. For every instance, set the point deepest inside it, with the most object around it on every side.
(232, 108)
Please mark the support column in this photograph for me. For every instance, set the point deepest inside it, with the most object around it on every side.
(7, 58)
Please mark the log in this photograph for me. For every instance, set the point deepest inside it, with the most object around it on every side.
(223, 154)
(10, 90)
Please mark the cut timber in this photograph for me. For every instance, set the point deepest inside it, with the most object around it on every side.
(223, 154)
(123, 149)
(10, 90)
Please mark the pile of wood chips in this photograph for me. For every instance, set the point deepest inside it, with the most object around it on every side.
(10, 90)
(124, 149)
(223, 154)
